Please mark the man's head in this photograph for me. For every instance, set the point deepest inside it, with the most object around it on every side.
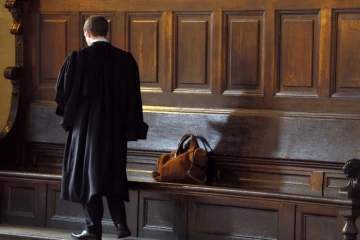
(95, 26)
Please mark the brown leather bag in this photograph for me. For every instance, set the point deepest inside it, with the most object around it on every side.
(186, 164)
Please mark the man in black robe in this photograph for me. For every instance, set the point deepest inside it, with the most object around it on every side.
(98, 96)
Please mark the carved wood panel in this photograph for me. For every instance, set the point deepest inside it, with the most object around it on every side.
(257, 176)
(54, 45)
(346, 53)
(244, 34)
(317, 222)
(68, 215)
(53, 40)
(162, 216)
(193, 51)
(24, 203)
(216, 55)
(298, 52)
(145, 42)
(240, 219)
(333, 182)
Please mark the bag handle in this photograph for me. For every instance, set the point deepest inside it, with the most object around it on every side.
(193, 144)
(194, 178)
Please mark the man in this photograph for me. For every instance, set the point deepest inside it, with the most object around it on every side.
(98, 96)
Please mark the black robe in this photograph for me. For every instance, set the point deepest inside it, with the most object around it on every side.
(98, 96)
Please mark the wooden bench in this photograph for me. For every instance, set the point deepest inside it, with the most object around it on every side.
(182, 211)
(280, 124)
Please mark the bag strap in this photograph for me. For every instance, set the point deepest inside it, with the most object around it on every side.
(193, 144)
(202, 181)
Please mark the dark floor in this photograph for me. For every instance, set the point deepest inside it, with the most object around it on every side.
(9, 232)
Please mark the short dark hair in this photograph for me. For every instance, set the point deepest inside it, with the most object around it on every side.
(97, 25)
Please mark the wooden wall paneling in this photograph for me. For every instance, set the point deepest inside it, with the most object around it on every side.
(269, 72)
(317, 222)
(312, 18)
(192, 52)
(68, 215)
(225, 218)
(260, 134)
(74, 43)
(119, 31)
(325, 53)
(162, 216)
(218, 53)
(196, 5)
(285, 179)
(333, 181)
(45, 158)
(144, 40)
(62, 214)
(24, 203)
(346, 54)
(53, 45)
(132, 211)
(167, 52)
(297, 32)
(140, 165)
(287, 221)
(245, 53)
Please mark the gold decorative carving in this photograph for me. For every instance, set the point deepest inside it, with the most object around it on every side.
(14, 7)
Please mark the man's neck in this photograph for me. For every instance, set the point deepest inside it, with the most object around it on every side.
(97, 39)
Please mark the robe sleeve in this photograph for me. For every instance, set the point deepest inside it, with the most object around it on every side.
(65, 83)
(136, 127)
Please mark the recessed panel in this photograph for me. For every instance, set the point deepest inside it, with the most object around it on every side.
(22, 201)
(347, 58)
(298, 37)
(54, 41)
(320, 227)
(240, 222)
(143, 43)
(159, 214)
(64, 208)
(192, 51)
(244, 52)
(297, 53)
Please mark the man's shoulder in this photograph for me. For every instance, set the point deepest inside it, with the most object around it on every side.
(118, 51)
(121, 51)
(71, 56)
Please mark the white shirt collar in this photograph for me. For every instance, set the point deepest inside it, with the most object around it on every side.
(100, 39)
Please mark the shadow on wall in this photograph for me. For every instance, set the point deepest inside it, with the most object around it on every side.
(256, 135)
(243, 136)
(7, 53)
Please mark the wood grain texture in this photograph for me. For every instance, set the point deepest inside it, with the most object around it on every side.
(244, 34)
(298, 39)
(24, 203)
(239, 134)
(346, 79)
(214, 55)
(144, 31)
